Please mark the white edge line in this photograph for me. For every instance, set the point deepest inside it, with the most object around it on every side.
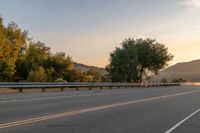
(182, 121)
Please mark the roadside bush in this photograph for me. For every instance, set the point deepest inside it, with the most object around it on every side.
(37, 76)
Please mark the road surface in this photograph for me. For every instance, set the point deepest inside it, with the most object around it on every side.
(132, 110)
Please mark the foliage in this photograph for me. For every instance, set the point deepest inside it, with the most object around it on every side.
(36, 54)
(58, 65)
(12, 42)
(78, 76)
(164, 80)
(178, 80)
(24, 59)
(32, 58)
(38, 75)
(91, 75)
(95, 76)
(135, 58)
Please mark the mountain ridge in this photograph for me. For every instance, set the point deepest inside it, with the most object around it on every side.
(85, 68)
(189, 71)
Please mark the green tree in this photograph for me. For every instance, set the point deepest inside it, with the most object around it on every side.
(95, 75)
(77, 75)
(35, 55)
(136, 57)
(59, 64)
(22, 68)
(179, 80)
(38, 55)
(12, 42)
(38, 75)
(22, 61)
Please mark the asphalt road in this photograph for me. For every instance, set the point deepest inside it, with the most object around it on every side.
(133, 110)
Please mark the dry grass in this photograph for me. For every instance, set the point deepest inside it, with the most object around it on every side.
(5, 90)
(37, 90)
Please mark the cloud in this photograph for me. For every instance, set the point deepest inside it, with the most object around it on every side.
(192, 3)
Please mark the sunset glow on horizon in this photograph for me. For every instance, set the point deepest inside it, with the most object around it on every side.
(88, 31)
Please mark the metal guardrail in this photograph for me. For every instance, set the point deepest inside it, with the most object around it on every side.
(46, 85)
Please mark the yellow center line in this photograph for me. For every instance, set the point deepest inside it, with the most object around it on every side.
(76, 112)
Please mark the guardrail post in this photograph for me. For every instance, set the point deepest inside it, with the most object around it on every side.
(61, 89)
(20, 90)
(101, 87)
(43, 90)
(90, 88)
(77, 88)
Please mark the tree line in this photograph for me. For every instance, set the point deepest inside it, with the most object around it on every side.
(22, 59)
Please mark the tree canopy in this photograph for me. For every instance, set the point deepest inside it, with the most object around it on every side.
(22, 59)
(12, 41)
(136, 57)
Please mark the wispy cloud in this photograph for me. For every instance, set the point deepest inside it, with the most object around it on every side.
(192, 3)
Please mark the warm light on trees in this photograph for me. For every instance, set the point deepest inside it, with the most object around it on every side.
(12, 40)
(135, 58)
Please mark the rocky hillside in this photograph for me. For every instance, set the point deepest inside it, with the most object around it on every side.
(189, 71)
(85, 68)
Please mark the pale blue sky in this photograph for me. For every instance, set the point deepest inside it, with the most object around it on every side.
(89, 30)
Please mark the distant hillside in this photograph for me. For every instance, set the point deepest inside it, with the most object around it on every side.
(189, 71)
(85, 68)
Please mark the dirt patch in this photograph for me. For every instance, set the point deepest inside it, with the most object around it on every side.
(36, 90)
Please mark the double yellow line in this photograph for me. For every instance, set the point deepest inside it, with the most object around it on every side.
(76, 112)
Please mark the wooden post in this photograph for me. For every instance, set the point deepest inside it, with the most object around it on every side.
(43, 89)
(20, 90)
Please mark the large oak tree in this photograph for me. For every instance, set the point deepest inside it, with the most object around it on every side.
(136, 57)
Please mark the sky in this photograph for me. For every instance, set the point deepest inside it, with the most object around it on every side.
(89, 30)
